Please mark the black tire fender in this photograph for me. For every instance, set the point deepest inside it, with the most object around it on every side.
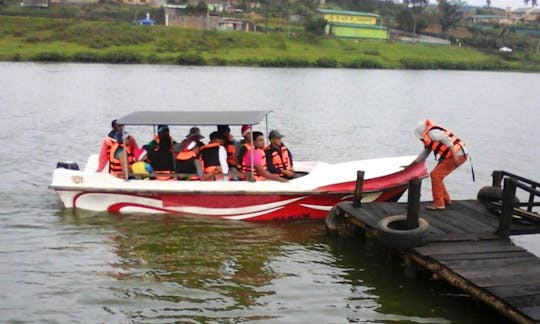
(493, 194)
(391, 232)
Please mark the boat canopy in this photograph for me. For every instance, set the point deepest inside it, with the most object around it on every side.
(195, 117)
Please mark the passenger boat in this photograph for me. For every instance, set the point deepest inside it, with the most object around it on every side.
(318, 187)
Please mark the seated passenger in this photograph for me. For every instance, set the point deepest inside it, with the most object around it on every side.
(214, 158)
(244, 145)
(229, 144)
(120, 161)
(194, 135)
(163, 131)
(107, 144)
(278, 157)
(161, 158)
(114, 136)
(188, 164)
(260, 171)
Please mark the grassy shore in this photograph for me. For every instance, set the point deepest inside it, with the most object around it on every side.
(67, 40)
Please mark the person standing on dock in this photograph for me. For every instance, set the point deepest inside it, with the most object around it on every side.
(448, 149)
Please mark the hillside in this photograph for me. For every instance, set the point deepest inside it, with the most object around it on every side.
(72, 40)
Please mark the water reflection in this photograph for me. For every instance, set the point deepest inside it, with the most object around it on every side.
(170, 268)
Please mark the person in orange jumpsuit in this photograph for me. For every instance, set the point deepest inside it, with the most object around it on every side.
(450, 153)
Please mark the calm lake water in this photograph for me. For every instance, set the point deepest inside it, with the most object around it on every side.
(56, 266)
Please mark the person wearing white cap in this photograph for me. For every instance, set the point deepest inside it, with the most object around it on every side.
(278, 157)
(449, 151)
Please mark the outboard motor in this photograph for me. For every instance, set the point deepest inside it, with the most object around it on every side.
(67, 165)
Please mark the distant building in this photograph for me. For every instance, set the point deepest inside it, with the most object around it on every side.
(145, 2)
(353, 24)
(177, 15)
(526, 14)
(35, 3)
(232, 24)
(491, 19)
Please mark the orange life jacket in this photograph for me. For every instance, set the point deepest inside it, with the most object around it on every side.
(246, 169)
(185, 163)
(209, 156)
(231, 153)
(164, 175)
(280, 157)
(439, 148)
(115, 165)
(161, 161)
(241, 154)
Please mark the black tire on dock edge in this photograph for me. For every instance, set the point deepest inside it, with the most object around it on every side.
(401, 238)
(495, 194)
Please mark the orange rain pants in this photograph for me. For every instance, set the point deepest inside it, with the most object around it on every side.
(444, 168)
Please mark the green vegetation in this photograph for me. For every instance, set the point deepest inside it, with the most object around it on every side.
(72, 40)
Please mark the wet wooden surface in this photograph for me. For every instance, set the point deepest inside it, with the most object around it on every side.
(462, 247)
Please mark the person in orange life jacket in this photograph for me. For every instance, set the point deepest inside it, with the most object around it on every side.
(244, 145)
(163, 130)
(214, 157)
(118, 165)
(229, 144)
(161, 157)
(259, 161)
(193, 135)
(187, 162)
(451, 154)
(278, 157)
(109, 141)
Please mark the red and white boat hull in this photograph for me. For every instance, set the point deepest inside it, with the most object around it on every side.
(308, 197)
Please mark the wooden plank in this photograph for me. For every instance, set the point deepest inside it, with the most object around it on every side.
(440, 224)
(532, 312)
(502, 272)
(467, 222)
(490, 264)
(482, 255)
(455, 237)
(515, 290)
(506, 280)
(390, 209)
(477, 211)
(433, 249)
(524, 301)
(361, 213)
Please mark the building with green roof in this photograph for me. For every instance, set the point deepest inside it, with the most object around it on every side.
(353, 24)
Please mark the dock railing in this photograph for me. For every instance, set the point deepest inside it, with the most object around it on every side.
(511, 182)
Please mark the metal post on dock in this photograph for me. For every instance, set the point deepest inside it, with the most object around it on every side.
(413, 203)
(509, 192)
(359, 190)
(497, 178)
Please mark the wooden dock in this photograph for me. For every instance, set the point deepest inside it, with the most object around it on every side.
(465, 244)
